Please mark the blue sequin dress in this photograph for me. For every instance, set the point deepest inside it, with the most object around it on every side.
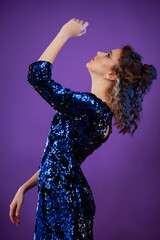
(65, 205)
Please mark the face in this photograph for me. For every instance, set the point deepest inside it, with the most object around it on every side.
(102, 64)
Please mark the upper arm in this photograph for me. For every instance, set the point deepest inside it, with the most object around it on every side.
(69, 103)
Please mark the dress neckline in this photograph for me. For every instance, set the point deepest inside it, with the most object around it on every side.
(99, 99)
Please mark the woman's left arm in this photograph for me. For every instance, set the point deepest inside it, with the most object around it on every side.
(67, 102)
(73, 28)
(54, 47)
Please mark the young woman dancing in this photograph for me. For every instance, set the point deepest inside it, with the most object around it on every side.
(83, 122)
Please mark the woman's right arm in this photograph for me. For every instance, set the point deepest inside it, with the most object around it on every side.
(18, 199)
(32, 182)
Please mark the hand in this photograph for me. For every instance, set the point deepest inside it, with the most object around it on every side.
(74, 28)
(15, 207)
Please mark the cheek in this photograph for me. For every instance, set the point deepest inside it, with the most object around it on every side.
(103, 67)
(98, 68)
(101, 63)
(108, 66)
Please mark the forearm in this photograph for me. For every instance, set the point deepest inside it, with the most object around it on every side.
(31, 182)
(54, 47)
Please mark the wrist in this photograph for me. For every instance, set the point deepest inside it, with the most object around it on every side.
(22, 188)
(63, 36)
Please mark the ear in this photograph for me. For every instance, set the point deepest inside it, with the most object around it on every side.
(111, 76)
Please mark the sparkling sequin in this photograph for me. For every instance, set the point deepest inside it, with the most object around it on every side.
(65, 205)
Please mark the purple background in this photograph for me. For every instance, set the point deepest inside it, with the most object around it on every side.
(124, 173)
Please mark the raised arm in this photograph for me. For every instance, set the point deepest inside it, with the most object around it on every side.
(69, 103)
(54, 47)
(72, 28)
(64, 100)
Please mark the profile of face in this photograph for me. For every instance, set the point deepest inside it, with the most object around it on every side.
(101, 67)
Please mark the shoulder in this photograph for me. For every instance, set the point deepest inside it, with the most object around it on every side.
(101, 107)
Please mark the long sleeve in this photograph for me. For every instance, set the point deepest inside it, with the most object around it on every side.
(67, 102)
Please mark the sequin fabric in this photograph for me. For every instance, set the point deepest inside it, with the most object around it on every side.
(65, 205)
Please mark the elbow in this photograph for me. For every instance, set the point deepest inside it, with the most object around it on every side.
(38, 72)
(32, 79)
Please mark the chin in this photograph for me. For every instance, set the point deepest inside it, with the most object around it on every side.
(87, 63)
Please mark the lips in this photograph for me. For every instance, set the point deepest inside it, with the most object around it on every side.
(93, 59)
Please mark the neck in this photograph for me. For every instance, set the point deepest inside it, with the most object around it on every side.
(103, 95)
(100, 87)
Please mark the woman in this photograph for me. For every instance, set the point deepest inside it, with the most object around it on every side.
(83, 122)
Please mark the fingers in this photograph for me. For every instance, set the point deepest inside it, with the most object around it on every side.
(17, 211)
(85, 25)
(81, 22)
(15, 218)
(82, 32)
(12, 211)
(77, 27)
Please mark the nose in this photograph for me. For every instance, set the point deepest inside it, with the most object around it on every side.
(99, 54)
